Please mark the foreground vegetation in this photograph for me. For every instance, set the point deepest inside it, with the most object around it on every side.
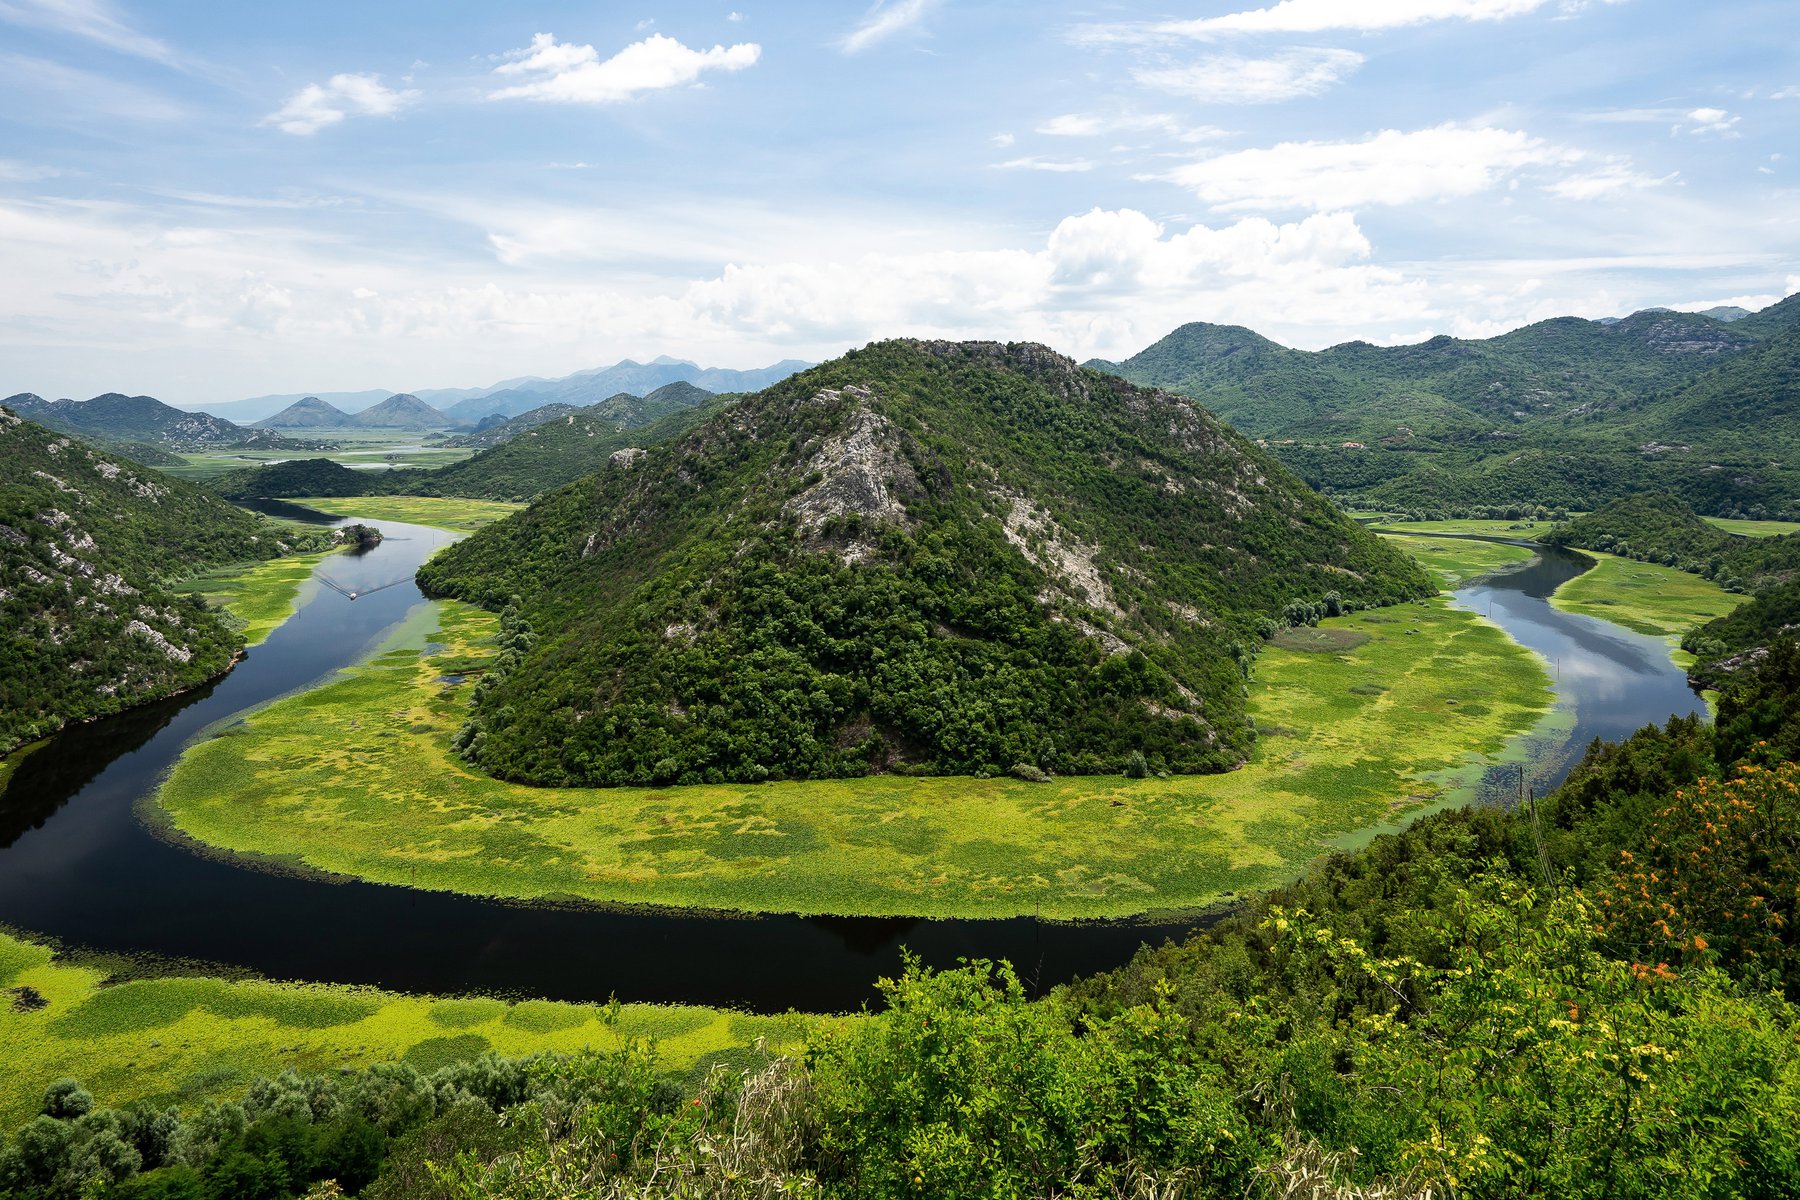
(1589, 998)
(173, 1039)
(1362, 719)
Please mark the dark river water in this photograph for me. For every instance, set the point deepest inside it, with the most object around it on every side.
(77, 864)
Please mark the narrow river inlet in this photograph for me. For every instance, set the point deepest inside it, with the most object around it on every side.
(77, 863)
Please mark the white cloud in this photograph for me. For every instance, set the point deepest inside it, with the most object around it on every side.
(734, 16)
(1612, 178)
(1095, 124)
(1706, 121)
(1317, 16)
(92, 19)
(1389, 168)
(1036, 163)
(884, 21)
(1002, 140)
(1786, 93)
(315, 106)
(571, 74)
(1230, 79)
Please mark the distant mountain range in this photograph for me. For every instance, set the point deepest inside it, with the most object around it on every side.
(1563, 413)
(511, 397)
(142, 422)
(399, 412)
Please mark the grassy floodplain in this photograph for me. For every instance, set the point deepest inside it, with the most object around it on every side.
(456, 515)
(1645, 597)
(1456, 561)
(361, 448)
(1370, 716)
(1753, 529)
(183, 1039)
(259, 596)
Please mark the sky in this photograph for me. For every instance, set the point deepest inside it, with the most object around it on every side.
(203, 202)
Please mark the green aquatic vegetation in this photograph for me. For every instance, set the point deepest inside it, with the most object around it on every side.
(183, 1039)
(1455, 561)
(1396, 716)
(460, 516)
(258, 596)
(1660, 601)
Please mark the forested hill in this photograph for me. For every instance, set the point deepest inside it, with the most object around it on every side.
(86, 539)
(1565, 412)
(929, 556)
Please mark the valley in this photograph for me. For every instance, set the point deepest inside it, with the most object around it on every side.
(1353, 713)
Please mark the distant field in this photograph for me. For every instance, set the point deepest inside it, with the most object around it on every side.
(184, 1039)
(1455, 561)
(461, 516)
(1754, 529)
(1372, 716)
(359, 448)
(1656, 600)
(1525, 530)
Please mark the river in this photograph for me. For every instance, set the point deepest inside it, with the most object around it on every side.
(77, 864)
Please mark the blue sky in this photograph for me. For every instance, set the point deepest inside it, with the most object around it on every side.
(204, 201)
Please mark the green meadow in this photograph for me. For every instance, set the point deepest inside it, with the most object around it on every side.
(1366, 718)
(459, 516)
(1526, 528)
(1457, 560)
(1645, 597)
(183, 1039)
(258, 596)
(1753, 529)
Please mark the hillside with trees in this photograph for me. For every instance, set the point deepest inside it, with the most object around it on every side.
(87, 544)
(1564, 413)
(924, 556)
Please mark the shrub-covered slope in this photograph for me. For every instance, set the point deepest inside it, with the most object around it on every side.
(86, 628)
(937, 556)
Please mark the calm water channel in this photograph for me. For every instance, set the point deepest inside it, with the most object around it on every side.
(76, 863)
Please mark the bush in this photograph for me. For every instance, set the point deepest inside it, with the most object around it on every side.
(1029, 773)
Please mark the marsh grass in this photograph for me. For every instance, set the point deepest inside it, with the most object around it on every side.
(460, 516)
(183, 1039)
(1644, 597)
(258, 596)
(1385, 712)
(1456, 561)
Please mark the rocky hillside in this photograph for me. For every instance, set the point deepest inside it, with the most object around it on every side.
(931, 557)
(118, 418)
(86, 541)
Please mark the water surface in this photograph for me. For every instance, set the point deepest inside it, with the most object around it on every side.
(77, 864)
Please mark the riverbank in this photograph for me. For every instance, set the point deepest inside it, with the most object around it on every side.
(1646, 598)
(180, 1039)
(1365, 719)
